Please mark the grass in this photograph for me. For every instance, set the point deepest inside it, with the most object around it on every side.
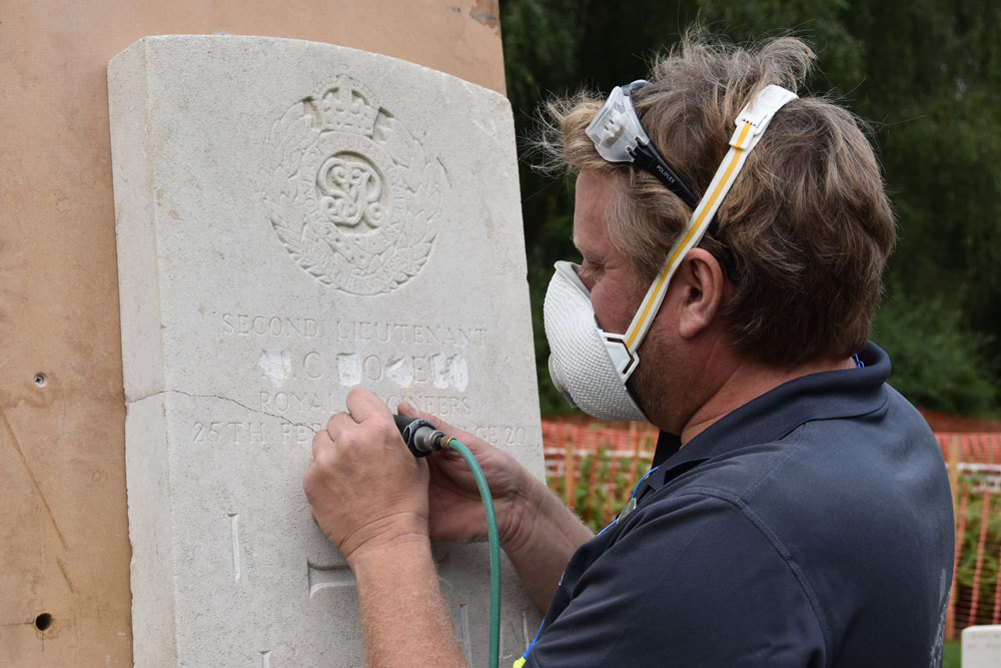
(950, 657)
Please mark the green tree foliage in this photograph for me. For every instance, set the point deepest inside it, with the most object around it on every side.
(936, 363)
(926, 73)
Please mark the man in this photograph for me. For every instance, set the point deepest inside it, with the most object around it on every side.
(798, 513)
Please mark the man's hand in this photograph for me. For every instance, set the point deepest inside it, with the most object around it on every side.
(536, 530)
(366, 489)
(456, 509)
(370, 496)
(378, 504)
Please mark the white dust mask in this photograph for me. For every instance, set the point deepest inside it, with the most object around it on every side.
(579, 361)
(588, 365)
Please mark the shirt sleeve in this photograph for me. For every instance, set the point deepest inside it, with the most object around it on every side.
(691, 581)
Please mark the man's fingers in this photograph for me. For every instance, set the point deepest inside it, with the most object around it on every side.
(404, 408)
(338, 423)
(321, 439)
(337, 426)
(366, 422)
(364, 404)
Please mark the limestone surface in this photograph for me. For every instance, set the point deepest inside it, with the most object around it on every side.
(981, 646)
(293, 220)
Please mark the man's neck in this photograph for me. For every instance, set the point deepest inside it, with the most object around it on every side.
(745, 382)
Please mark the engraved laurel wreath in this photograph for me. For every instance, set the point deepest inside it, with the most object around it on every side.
(350, 191)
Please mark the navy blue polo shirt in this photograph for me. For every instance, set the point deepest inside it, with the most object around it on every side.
(812, 526)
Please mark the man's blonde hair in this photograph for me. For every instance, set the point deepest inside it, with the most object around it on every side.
(807, 225)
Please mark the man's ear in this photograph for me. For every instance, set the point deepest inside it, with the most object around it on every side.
(703, 287)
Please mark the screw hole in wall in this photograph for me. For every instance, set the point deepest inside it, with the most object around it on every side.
(41, 380)
(43, 622)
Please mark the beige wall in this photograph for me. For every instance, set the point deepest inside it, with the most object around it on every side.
(64, 546)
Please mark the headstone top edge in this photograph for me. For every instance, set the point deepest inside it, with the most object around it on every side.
(226, 37)
(982, 629)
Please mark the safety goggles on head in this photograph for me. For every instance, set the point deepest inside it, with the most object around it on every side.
(618, 136)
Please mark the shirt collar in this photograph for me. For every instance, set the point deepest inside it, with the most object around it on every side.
(818, 396)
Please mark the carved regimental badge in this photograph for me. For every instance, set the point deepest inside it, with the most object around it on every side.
(351, 193)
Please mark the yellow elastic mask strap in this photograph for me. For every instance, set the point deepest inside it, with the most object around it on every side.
(751, 124)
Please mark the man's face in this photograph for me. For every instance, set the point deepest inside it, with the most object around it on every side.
(659, 383)
(616, 289)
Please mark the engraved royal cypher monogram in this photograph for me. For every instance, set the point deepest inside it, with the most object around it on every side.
(351, 192)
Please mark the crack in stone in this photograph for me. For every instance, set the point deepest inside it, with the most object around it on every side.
(221, 398)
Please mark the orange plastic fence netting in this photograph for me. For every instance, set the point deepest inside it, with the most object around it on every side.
(594, 468)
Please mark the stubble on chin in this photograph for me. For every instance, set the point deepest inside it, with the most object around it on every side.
(656, 385)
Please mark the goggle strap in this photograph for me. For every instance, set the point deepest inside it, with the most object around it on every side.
(751, 124)
(649, 158)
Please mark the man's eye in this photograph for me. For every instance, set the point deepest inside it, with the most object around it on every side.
(589, 273)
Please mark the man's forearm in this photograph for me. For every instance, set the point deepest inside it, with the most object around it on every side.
(541, 540)
(403, 615)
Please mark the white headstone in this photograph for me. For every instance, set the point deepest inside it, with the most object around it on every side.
(296, 219)
(981, 647)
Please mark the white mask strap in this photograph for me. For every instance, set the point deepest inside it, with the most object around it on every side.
(751, 124)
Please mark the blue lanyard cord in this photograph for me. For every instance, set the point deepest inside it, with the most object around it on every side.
(524, 657)
(631, 496)
(531, 645)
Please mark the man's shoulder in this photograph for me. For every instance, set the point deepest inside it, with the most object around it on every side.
(820, 452)
(673, 574)
(872, 468)
(854, 512)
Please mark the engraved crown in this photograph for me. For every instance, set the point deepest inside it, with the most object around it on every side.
(345, 109)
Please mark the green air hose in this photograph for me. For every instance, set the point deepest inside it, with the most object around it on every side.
(488, 507)
(422, 438)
